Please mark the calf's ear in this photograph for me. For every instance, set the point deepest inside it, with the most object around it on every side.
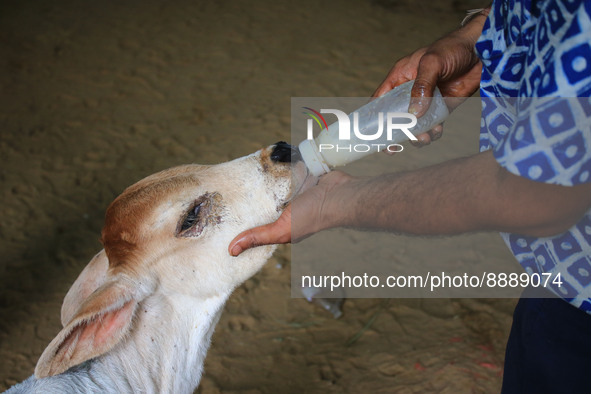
(90, 279)
(100, 323)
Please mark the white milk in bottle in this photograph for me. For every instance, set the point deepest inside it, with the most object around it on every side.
(381, 123)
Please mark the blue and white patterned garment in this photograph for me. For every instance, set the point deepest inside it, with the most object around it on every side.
(536, 80)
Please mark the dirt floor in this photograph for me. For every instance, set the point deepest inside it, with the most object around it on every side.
(96, 95)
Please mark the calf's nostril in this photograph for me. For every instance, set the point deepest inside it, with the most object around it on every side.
(284, 153)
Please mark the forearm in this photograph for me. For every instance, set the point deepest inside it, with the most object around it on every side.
(464, 195)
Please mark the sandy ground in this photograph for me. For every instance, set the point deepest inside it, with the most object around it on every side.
(96, 95)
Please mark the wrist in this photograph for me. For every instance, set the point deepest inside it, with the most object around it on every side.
(472, 24)
(339, 205)
(477, 13)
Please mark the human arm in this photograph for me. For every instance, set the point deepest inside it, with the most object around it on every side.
(462, 195)
(458, 196)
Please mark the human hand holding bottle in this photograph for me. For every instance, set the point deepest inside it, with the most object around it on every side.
(449, 63)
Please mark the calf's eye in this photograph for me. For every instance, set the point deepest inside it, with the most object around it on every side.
(204, 211)
(191, 218)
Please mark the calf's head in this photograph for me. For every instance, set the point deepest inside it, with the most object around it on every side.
(169, 234)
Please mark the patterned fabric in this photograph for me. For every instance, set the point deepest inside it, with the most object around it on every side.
(535, 88)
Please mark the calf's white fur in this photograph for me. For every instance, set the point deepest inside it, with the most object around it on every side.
(140, 316)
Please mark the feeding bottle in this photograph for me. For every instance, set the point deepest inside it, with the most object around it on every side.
(381, 123)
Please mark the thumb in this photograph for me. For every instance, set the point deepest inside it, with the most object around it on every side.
(278, 232)
(424, 86)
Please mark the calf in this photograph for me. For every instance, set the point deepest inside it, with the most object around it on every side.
(140, 316)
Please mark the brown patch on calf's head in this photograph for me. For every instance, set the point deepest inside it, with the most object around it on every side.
(122, 234)
(265, 159)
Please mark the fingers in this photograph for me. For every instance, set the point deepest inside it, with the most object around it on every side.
(403, 71)
(422, 90)
(392, 80)
(423, 139)
(384, 88)
(426, 138)
(278, 232)
(307, 207)
(436, 132)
